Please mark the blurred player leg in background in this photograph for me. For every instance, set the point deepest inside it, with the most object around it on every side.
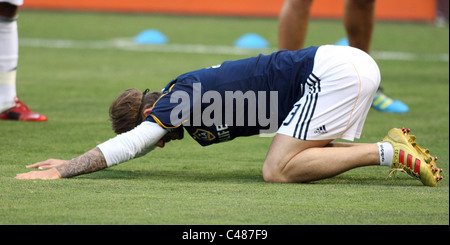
(10, 105)
(293, 24)
(359, 18)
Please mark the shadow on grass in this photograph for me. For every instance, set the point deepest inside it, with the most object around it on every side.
(177, 175)
(243, 176)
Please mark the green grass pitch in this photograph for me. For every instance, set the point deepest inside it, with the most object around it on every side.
(185, 184)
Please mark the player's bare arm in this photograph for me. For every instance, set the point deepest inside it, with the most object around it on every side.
(89, 162)
(122, 148)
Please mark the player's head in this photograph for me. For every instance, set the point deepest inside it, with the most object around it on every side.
(126, 111)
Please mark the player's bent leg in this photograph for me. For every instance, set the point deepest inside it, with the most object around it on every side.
(293, 160)
(282, 150)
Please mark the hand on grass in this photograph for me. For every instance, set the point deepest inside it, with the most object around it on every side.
(50, 173)
(49, 163)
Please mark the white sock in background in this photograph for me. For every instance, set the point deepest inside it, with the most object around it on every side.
(9, 55)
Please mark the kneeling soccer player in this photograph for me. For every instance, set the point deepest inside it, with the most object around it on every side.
(309, 97)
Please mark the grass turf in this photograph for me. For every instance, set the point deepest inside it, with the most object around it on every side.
(221, 184)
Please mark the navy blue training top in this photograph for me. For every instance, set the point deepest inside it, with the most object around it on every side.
(234, 99)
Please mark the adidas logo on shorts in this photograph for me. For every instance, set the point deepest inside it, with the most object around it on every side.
(320, 130)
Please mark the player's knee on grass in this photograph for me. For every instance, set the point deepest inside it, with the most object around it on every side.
(273, 174)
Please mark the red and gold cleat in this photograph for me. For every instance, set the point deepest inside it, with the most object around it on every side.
(411, 158)
(21, 112)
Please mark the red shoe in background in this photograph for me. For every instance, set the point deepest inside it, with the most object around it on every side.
(21, 112)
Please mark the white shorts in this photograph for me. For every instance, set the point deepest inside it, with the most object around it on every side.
(13, 2)
(338, 96)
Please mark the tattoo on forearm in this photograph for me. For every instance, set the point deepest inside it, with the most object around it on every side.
(89, 162)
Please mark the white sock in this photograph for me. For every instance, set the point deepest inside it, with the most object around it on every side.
(386, 152)
(7, 90)
(9, 55)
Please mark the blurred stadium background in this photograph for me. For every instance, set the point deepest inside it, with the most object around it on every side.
(398, 10)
